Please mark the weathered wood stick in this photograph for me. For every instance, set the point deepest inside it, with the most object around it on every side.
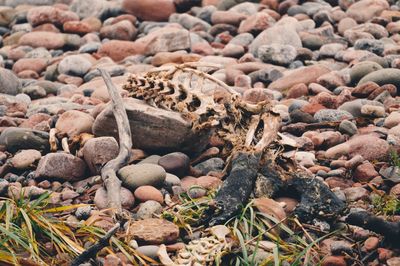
(108, 172)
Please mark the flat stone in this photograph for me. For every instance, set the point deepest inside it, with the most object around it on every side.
(332, 115)
(15, 139)
(25, 159)
(154, 231)
(383, 76)
(304, 75)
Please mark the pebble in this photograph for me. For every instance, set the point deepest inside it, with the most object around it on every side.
(73, 123)
(383, 76)
(62, 166)
(210, 165)
(25, 159)
(176, 163)
(145, 193)
(9, 83)
(334, 261)
(48, 40)
(365, 172)
(15, 139)
(355, 193)
(369, 147)
(148, 209)
(371, 243)
(332, 115)
(48, 14)
(83, 213)
(145, 174)
(122, 30)
(392, 120)
(359, 70)
(348, 127)
(96, 160)
(146, 10)
(101, 198)
(74, 65)
(270, 207)
(277, 54)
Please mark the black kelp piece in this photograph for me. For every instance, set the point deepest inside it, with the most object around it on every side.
(237, 187)
(316, 199)
(390, 230)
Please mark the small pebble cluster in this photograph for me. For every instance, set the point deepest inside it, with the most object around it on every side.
(331, 68)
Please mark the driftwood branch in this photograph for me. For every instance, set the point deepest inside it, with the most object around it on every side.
(93, 250)
(108, 172)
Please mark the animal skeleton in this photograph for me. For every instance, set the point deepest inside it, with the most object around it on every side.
(246, 129)
(189, 91)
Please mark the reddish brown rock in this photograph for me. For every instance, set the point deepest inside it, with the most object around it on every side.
(312, 108)
(46, 27)
(187, 182)
(48, 14)
(123, 30)
(25, 159)
(270, 207)
(154, 231)
(28, 74)
(384, 254)
(118, 50)
(101, 199)
(61, 166)
(95, 159)
(364, 10)
(227, 17)
(78, 27)
(370, 147)
(145, 193)
(371, 243)
(48, 40)
(159, 10)
(72, 123)
(395, 190)
(256, 23)
(334, 261)
(35, 119)
(365, 172)
(297, 91)
(304, 75)
(208, 182)
(34, 64)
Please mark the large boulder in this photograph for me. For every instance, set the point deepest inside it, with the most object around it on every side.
(153, 129)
